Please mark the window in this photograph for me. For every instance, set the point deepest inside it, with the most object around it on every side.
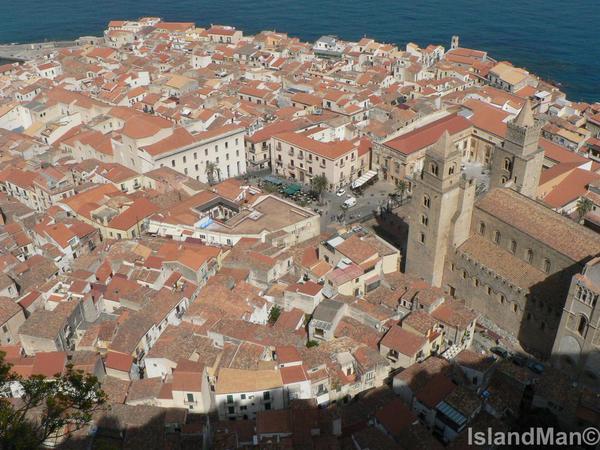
(266, 395)
(515, 308)
(172, 163)
(582, 325)
(424, 220)
(502, 299)
(451, 169)
(496, 237)
(476, 282)
(184, 159)
(489, 290)
(267, 406)
(426, 201)
(190, 397)
(422, 238)
(231, 410)
(195, 155)
(481, 228)
(507, 164)
(230, 399)
(503, 180)
(243, 396)
(547, 265)
(513, 246)
(529, 255)
(433, 168)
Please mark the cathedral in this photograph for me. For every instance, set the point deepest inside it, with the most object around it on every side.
(509, 257)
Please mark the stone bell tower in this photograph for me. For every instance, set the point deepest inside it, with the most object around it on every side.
(441, 210)
(517, 163)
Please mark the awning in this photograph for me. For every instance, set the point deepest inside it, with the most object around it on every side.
(292, 189)
(364, 179)
(273, 180)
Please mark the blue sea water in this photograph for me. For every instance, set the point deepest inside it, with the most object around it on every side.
(556, 39)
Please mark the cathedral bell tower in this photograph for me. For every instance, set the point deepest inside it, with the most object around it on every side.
(517, 163)
(441, 207)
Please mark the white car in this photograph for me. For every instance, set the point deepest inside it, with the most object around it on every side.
(340, 192)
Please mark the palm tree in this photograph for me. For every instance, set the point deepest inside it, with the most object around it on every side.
(318, 185)
(584, 206)
(210, 170)
(401, 189)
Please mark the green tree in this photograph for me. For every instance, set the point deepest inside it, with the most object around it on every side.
(401, 189)
(584, 206)
(318, 184)
(46, 409)
(274, 314)
(210, 170)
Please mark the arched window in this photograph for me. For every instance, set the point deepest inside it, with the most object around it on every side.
(424, 220)
(507, 164)
(422, 238)
(529, 255)
(433, 168)
(513, 246)
(451, 169)
(426, 201)
(582, 325)
(481, 228)
(503, 180)
(497, 237)
(547, 265)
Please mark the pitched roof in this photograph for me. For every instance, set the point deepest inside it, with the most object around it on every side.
(541, 223)
(403, 341)
(428, 135)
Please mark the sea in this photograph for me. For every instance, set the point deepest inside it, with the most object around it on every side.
(556, 39)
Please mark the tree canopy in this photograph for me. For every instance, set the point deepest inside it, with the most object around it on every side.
(46, 408)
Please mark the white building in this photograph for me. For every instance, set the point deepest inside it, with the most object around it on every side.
(239, 393)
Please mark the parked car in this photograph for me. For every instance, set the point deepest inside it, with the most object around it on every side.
(535, 367)
(500, 352)
(340, 192)
(519, 360)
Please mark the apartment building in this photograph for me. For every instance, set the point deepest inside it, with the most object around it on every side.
(299, 157)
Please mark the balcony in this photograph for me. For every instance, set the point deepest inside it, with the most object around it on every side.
(300, 156)
(322, 397)
(323, 165)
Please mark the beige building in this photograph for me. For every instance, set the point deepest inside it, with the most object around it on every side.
(402, 157)
(577, 345)
(300, 158)
(11, 318)
(219, 221)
